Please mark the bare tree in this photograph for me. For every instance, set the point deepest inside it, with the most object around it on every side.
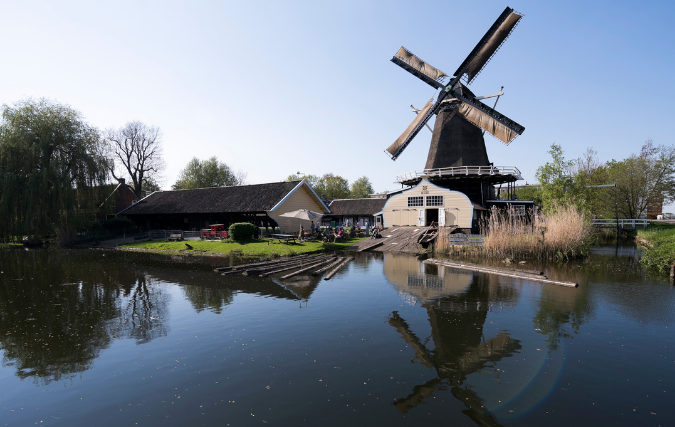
(136, 149)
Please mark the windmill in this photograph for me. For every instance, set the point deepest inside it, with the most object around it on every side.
(462, 119)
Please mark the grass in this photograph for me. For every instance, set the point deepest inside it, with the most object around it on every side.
(658, 241)
(259, 247)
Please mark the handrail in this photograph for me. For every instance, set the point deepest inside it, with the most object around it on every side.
(622, 222)
(461, 170)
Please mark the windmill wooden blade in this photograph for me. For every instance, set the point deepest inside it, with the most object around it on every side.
(497, 124)
(414, 65)
(489, 44)
(421, 119)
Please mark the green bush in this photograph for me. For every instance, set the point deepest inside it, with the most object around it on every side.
(241, 231)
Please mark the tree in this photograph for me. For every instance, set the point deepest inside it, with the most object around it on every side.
(207, 173)
(558, 184)
(332, 186)
(136, 151)
(50, 161)
(643, 178)
(362, 188)
(312, 180)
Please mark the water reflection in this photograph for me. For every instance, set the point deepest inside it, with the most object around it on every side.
(457, 305)
(60, 309)
(57, 315)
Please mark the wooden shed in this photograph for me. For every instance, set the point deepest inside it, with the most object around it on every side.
(426, 203)
(259, 204)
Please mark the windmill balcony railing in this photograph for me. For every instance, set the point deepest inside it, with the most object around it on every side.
(459, 171)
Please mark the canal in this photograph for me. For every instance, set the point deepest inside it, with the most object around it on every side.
(111, 338)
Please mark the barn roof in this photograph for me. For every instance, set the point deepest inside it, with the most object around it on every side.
(240, 198)
(356, 206)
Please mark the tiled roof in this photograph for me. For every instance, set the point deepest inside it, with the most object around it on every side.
(356, 206)
(241, 198)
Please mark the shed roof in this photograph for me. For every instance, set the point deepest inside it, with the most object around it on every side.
(356, 206)
(240, 198)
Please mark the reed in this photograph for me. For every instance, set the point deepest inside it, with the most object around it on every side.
(563, 233)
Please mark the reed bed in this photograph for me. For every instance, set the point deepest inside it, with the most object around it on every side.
(563, 233)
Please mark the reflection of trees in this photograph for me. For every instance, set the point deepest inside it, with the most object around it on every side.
(212, 299)
(143, 312)
(58, 312)
(460, 349)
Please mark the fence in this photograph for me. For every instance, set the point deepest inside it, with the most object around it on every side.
(465, 240)
(623, 223)
(164, 234)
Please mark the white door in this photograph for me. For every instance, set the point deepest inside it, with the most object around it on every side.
(421, 220)
(441, 217)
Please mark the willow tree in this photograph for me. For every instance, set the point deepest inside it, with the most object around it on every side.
(50, 162)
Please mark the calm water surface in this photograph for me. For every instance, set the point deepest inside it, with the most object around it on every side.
(122, 339)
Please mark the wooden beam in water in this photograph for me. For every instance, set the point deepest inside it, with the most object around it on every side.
(279, 261)
(328, 267)
(311, 267)
(488, 270)
(282, 268)
(336, 269)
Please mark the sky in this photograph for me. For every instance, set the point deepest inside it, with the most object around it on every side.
(278, 87)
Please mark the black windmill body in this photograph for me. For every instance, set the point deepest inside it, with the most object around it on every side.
(457, 156)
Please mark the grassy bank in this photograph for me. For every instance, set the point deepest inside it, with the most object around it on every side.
(658, 241)
(259, 247)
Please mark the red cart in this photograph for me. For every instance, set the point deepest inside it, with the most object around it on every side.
(216, 231)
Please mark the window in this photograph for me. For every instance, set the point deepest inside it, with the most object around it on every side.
(415, 201)
(518, 210)
(434, 200)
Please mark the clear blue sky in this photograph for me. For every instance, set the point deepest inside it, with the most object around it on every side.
(273, 88)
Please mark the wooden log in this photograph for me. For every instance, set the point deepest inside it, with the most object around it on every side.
(502, 273)
(247, 271)
(505, 269)
(336, 269)
(261, 270)
(279, 270)
(328, 267)
(311, 267)
(237, 267)
(672, 275)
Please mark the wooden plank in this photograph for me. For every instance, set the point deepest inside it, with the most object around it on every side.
(278, 261)
(311, 267)
(501, 273)
(328, 267)
(336, 269)
(281, 269)
(295, 264)
(505, 269)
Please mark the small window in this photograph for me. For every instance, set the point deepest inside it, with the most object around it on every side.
(415, 201)
(434, 200)
(518, 210)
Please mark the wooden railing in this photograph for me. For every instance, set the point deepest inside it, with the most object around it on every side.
(623, 223)
(459, 171)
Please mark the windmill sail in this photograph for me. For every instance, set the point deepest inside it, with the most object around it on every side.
(399, 145)
(489, 44)
(500, 126)
(414, 65)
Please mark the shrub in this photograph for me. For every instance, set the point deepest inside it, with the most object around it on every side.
(241, 231)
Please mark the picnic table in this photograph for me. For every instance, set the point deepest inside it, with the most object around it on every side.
(280, 237)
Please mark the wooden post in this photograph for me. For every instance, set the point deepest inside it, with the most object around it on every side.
(672, 275)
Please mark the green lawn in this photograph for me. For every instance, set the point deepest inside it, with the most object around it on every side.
(660, 252)
(259, 247)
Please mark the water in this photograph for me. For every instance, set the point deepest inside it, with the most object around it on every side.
(109, 339)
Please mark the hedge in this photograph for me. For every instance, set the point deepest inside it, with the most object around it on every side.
(241, 231)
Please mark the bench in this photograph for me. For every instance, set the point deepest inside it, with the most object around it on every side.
(281, 237)
(177, 236)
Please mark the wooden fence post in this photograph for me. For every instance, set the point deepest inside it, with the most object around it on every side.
(672, 275)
